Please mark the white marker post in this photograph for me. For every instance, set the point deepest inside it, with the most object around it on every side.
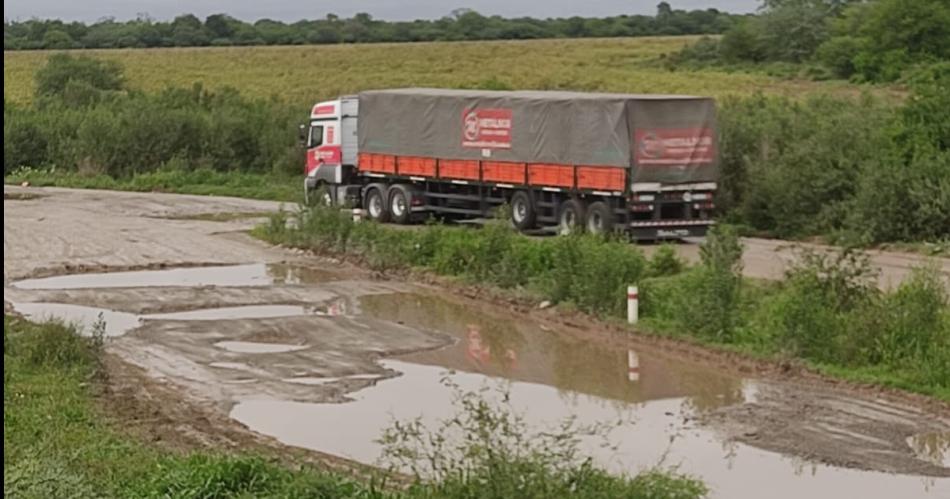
(357, 215)
(633, 305)
(633, 366)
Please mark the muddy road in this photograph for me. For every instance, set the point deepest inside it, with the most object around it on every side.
(230, 342)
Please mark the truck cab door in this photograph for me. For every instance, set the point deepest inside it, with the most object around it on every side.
(324, 154)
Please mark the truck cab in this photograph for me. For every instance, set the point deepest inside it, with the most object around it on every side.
(331, 143)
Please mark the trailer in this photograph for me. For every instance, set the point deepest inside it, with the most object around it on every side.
(643, 164)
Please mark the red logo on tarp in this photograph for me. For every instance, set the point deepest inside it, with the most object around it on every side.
(675, 146)
(486, 128)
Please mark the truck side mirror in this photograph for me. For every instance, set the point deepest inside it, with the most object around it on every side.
(302, 134)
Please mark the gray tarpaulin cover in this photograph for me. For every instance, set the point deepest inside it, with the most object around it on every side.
(662, 138)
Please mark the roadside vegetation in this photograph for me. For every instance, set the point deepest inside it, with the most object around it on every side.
(59, 441)
(864, 41)
(827, 314)
(852, 171)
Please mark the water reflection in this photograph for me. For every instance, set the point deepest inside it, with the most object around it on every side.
(933, 447)
(288, 274)
(523, 351)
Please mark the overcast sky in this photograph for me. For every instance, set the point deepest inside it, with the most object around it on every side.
(292, 10)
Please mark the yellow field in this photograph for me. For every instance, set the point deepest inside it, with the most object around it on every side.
(304, 74)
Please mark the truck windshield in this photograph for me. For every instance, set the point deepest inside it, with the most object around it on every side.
(316, 135)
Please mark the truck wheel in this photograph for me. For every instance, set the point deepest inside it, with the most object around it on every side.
(322, 195)
(570, 216)
(523, 214)
(375, 204)
(600, 218)
(399, 207)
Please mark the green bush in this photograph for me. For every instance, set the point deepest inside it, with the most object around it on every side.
(704, 300)
(51, 344)
(838, 54)
(809, 317)
(665, 262)
(80, 124)
(62, 69)
(790, 168)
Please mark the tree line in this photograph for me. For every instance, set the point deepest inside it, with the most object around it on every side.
(863, 40)
(463, 24)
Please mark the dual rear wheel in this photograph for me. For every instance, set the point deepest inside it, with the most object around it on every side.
(384, 204)
(575, 216)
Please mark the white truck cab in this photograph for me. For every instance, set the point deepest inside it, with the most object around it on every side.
(331, 142)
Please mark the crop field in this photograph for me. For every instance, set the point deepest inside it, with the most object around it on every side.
(303, 74)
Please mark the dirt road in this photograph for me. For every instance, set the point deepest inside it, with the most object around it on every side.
(220, 340)
(138, 240)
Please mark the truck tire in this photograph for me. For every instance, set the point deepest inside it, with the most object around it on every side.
(375, 204)
(320, 195)
(523, 213)
(400, 207)
(600, 218)
(570, 217)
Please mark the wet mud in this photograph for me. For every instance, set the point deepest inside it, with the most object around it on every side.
(321, 356)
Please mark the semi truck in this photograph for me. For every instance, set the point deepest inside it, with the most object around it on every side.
(570, 161)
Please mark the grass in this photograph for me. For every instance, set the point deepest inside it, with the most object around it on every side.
(300, 75)
(200, 182)
(827, 313)
(60, 442)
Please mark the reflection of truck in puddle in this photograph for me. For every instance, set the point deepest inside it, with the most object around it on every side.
(505, 348)
(480, 352)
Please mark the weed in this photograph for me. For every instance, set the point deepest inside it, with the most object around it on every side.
(486, 450)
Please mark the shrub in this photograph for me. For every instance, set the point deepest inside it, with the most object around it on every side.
(665, 262)
(703, 300)
(838, 54)
(486, 450)
(61, 69)
(790, 168)
(742, 43)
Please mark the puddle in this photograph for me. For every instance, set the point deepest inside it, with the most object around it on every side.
(496, 346)
(117, 323)
(548, 377)
(254, 347)
(255, 274)
(732, 470)
(243, 312)
(933, 447)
